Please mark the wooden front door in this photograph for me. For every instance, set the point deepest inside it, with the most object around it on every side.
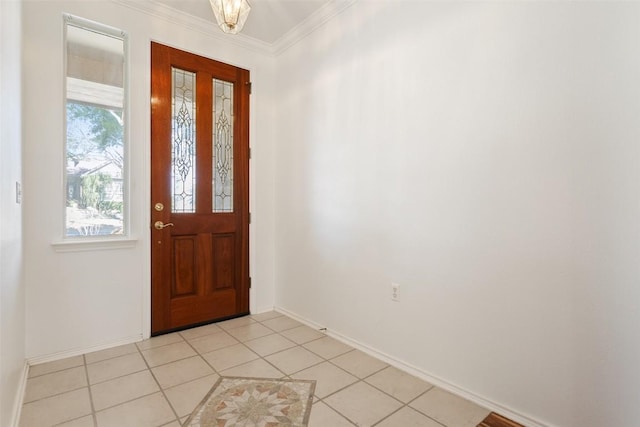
(199, 190)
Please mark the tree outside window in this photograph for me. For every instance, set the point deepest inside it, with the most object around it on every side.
(94, 171)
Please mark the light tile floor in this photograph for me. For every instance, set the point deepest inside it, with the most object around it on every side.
(158, 382)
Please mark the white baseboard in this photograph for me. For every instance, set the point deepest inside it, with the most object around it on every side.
(300, 319)
(417, 372)
(17, 405)
(76, 352)
(263, 310)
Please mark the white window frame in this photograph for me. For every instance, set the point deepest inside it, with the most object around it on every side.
(97, 242)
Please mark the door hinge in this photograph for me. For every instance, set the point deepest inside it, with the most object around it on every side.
(250, 84)
(249, 152)
(249, 217)
(249, 282)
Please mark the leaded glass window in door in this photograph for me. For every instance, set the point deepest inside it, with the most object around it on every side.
(222, 146)
(183, 141)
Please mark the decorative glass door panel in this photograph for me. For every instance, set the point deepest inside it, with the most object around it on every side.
(183, 141)
(223, 146)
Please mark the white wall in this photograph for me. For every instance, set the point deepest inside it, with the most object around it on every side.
(12, 294)
(485, 157)
(83, 300)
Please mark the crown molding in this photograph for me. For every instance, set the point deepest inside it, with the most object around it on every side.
(204, 26)
(209, 28)
(309, 25)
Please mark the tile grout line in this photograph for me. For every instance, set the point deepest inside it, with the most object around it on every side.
(93, 408)
(54, 394)
(406, 405)
(111, 358)
(289, 376)
(222, 331)
(54, 372)
(329, 360)
(126, 401)
(281, 351)
(264, 336)
(338, 412)
(177, 418)
(433, 387)
(172, 361)
(260, 356)
(363, 380)
(221, 348)
(215, 371)
(119, 376)
(302, 345)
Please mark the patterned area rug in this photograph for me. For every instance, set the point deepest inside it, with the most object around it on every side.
(255, 402)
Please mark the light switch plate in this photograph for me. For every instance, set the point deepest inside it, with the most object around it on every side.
(18, 193)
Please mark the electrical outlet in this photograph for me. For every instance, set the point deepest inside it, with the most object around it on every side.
(395, 292)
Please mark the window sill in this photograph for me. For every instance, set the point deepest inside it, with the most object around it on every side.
(94, 245)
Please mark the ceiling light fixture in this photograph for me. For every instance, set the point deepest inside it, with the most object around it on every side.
(230, 14)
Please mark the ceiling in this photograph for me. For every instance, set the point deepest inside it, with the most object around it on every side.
(268, 21)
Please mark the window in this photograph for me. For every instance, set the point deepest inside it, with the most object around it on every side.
(95, 149)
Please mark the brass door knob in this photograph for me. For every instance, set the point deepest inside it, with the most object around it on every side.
(159, 225)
